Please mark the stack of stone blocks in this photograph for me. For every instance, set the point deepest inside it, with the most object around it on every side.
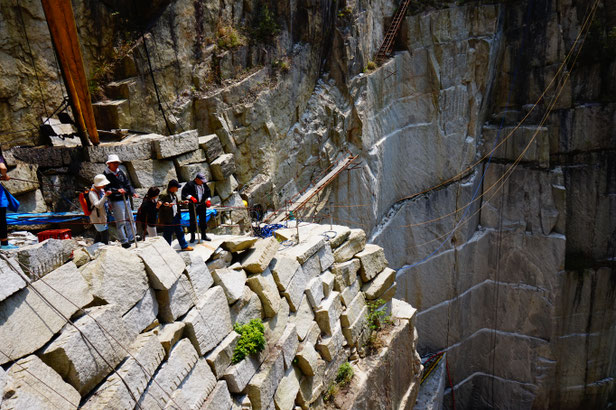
(153, 328)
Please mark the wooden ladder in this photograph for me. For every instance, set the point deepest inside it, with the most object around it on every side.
(388, 42)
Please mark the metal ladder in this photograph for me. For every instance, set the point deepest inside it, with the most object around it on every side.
(388, 42)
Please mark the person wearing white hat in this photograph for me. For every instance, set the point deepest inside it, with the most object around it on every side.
(98, 201)
(121, 189)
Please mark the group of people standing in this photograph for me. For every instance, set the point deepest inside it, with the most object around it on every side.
(112, 189)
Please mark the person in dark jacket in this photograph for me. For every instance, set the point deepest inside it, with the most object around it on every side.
(169, 215)
(147, 215)
(121, 189)
(198, 195)
(4, 232)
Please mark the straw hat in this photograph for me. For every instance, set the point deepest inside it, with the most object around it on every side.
(100, 180)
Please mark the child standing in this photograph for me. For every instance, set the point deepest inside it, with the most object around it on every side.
(148, 213)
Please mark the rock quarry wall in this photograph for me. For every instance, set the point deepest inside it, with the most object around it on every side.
(153, 328)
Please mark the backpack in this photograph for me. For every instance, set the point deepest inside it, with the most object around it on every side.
(84, 201)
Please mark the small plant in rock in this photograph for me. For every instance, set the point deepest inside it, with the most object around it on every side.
(371, 66)
(251, 341)
(376, 320)
(228, 37)
(345, 374)
(331, 392)
(265, 27)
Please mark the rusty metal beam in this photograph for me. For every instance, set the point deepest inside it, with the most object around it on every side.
(61, 23)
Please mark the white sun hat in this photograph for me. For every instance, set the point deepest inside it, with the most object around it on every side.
(113, 158)
(100, 180)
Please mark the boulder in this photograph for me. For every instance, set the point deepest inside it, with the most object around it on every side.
(212, 146)
(326, 256)
(231, 281)
(377, 287)
(86, 356)
(304, 318)
(258, 258)
(81, 257)
(145, 355)
(352, 246)
(329, 346)
(169, 335)
(284, 398)
(189, 172)
(192, 157)
(31, 384)
(27, 173)
(163, 264)
(223, 166)
(175, 145)
(208, 323)
(328, 313)
(314, 292)
(283, 269)
(195, 388)
(345, 273)
(176, 301)
(226, 187)
(143, 314)
(219, 398)
(148, 173)
(372, 260)
(238, 243)
(246, 308)
(28, 322)
(265, 287)
(116, 276)
(11, 277)
(198, 273)
(328, 279)
(220, 358)
(262, 386)
(39, 259)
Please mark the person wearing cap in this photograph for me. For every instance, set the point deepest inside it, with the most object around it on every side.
(98, 198)
(198, 195)
(120, 188)
(169, 215)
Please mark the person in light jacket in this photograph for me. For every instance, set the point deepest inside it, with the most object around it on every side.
(100, 206)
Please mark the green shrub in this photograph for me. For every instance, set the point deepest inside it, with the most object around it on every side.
(371, 66)
(266, 27)
(376, 317)
(251, 341)
(345, 374)
(228, 37)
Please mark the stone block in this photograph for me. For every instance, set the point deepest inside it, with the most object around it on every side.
(170, 334)
(31, 202)
(23, 171)
(148, 173)
(353, 311)
(39, 259)
(145, 355)
(238, 243)
(329, 346)
(232, 282)
(265, 287)
(284, 398)
(305, 248)
(199, 274)
(328, 313)
(314, 292)
(212, 146)
(372, 260)
(163, 264)
(288, 344)
(304, 318)
(241, 402)
(402, 310)
(11, 277)
(258, 258)
(143, 314)
(313, 334)
(219, 398)
(116, 276)
(247, 307)
(308, 359)
(89, 170)
(349, 293)
(223, 166)
(170, 375)
(345, 273)
(83, 357)
(208, 323)
(312, 267)
(353, 332)
(220, 358)
(262, 386)
(189, 172)
(81, 257)
(135, 150)
(31, 384)
(274, 327)
(175, 145)
(192, 157)
(194, 390)
(328, 279)
(176, 301)
(352, 246)
(226, 187)
(28, 322)
(238, 375)
(326, 256)
(374, 289)
(295, 289)
(283, 269)
(43, 156)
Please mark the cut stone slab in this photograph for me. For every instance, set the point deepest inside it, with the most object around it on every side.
(352, 246)
(223, 166)
(175, 302)
(175, 145)
(264, 286)
(148, 173)
(288, 344)
(373, 290)
(238, 375)
(326, 256)
(308, 359)
(22, 387)
(208, 323)
(402, 310)
(11, 278)
(170, 334)
(305, 248)
(41, 258)
(163, 264)
(353, 311)
(134, 150)
(220, 358)
(328, 314)
(258, 258)
(247, 307)
(295, 289)
(349, 293)
(194, 390)
(171, 374)
(372, 260)
(284, 398)
(329, 346)
(219, 398)
(274, 327)
(226, 187)
(283, 269)
(146, 354)
(199, 274)
(116, 276)
(328, 279)
(143, 314)
(354, 332)
(263, 385)
(190, 171)
(312, 267)
(192, 157)
(212, 146)
(232, 282)
(304, 318)
(84, 361)
(238, 243)
(81, 257)
(24, 171)
(345, 273)
(28, 322)
(314, 292)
